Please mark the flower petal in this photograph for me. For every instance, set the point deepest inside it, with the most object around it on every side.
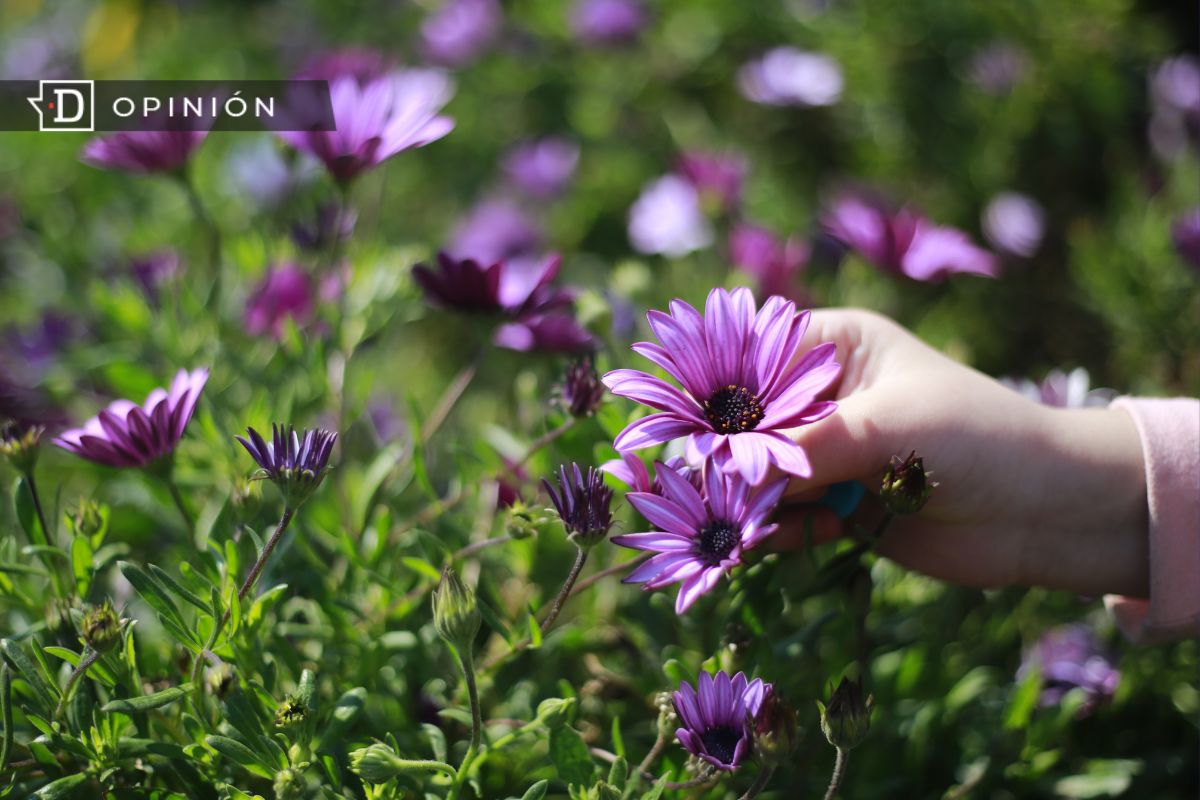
(651, 430)
(668, 515)
(750, 454)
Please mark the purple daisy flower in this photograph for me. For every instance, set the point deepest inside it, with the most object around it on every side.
(378, 119)
(1185, 236)
(582, 501)
(715, 176)
(715, 715)
(701, 534)
(773, 263)
(1069, 657)
(1062, 389)
(495, 230)
(359, 63)
(631, 471)
(605, 22)
(154, 270)
(295, 463)
(142, 152)
(128, 435)
(786, 76)
(460, 31)
(580, 390)
(543, 167)
(905, 243)
(740, 388)
(1014, 223)
(668, 219)
(286, 292)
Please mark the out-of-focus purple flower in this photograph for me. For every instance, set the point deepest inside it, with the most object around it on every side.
(295, 463)
(904, 242)
(387, 423)
(259, 171)
(286, 292)
(699, 536)
(1069, 657)
(773, 263)
(580, 390)
(624, 317)
(537, 316)
(34, 349)
(495, 230)
(317, 232)
(361, 64)
(154, 270)
(128, 435)
(668, 220)
(378, 119)
(1062, 389)
(460, 31)
(143, 152)
(1014, 223)
(997, 68)
(605, 22)
(1185, 236)
(716, 717)
(582, 501)
(740, 387)
(786, 76)
(715, 176)
(542, 167)
(1175, 104)
(44, 52)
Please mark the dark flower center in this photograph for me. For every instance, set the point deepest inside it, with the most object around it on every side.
(717, 540)
(733, 409)
(722, 742)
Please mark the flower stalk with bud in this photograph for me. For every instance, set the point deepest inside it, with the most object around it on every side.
(583, 503)
(456, 617)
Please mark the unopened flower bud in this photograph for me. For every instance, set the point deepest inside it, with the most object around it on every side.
(603, 791)
(668, 718)
(455, 613)
(523, 521)
(376, 763)
(581, 391)
(101, 628)
(906, 486)
(289, 784)
(847, 718)
(582, 501)
(19, 442)
(554, 712)
(773, 731)
(88, 518)
(246, 496)
(290, 713)
(220, 679)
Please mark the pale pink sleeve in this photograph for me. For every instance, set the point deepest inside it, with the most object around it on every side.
(1170, 433)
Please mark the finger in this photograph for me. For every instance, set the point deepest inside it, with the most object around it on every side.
(850, 444)
(800, 526)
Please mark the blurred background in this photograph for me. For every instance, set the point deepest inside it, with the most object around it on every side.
(661, 148)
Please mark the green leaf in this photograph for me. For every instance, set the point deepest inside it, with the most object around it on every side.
(1023, 701)
(618, 773)
(537, 791)
(6, 715)
(657, 791)
(148, 702)
(153, 592)
(535, 630)
(617, 739)
(97, 670)
(81, 564)
(345, 712)
(47, 693)
(27, 514)
(170, 583)
(492, 618)
(233, 749)
(437, 740)
(570, 756)
(1104, 778)
(61, 788)
(423, 567)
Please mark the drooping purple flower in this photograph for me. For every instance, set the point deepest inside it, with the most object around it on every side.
(1069, 657)
(296, 463)
(904, 242)
(773, 263)
(285, 292)
(495, 230)
(716, 717)
(154, 270)
(786, 76)
(715, 176)
(701, 535)
(1185, 236)
(1062, 389)
(128, 435)
(537, 315)
(997, 68)
(1014, 223)
(668, 220)
(460, 31)
(583, 502)
(542, 167)
(740, 390)
(143, 152)
(378, 119)
(608, 22)
(361, 64)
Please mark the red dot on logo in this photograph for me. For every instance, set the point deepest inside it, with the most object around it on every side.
(51, 105)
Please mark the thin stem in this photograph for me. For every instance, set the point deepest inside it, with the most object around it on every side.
(699, 780)
(89, 658)
(881, 528)
(214, 235)
(563, 593)
(655, 750)
(189, 521)
(472, 549)
(468, 669)
(450, 397)
(248, 584)
(839, 772)
(436, 766)
(543, 440)
(757, 787)
(46, 534)
(592, 580)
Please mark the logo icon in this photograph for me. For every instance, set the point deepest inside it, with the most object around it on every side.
(65, 105)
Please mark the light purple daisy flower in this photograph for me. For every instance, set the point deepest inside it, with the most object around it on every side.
(542, 167)
(701, 534)
(606, 22)
(1069, 657)
(740, 387)
(716, 176)
(1014, 223)
(142, 152)
(460, 31)
(359, 63)
(668, 219)
(786, 76)
(714, 717)
(772, 262)
(128, 435)
(495, 230)
(378, 119)
(1062, 389)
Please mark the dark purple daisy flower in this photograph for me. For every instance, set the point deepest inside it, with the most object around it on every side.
(701, 534)
(1014, 223)
(128, 435)
(495, 230)
(142, 151)
(740, 387)
(715, 176)
(668, 219)
(286, 292)
(1185, 236)
(773, 263)
(606, 22)
(542, 167)
(582, 501)
(460, 31)
(378, 119)
(786, 76)
(1069, 657)
(295, 463)
(715, 715)
(580, 390)
(905, 243)
(361, 64)
(538, 315)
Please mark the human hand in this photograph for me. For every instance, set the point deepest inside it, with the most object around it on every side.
(1027, 494)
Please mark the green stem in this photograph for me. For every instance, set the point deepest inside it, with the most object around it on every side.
(543, 440)
(450, 397)
(565, 591)
(89, 658)
(189, 522)
(6, 713)
(839, 773)
(468, 668)
(757, 787)
(55, 578)
(257, 569)
(436, 766)
(213, 232)
(644, 767)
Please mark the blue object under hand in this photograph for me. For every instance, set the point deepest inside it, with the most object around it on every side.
(842, 498)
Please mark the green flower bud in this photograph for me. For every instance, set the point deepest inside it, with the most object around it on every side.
(246, 496)
(774, 730)
(455, 614)
(101, 628)
(906, 486)
(555, 711)
(668, 718)
(523, 522)
(19, 442)
(89, 518)
(290, 713)
(289, 784)
(376, 763)
(847, 718)
(220, 679)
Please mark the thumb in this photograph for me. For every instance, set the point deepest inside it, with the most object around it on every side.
(847, 445)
